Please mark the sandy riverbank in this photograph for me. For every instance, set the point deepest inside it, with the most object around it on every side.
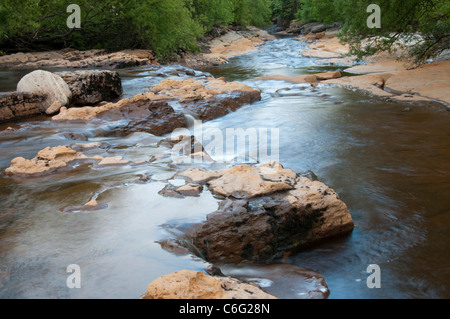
(383, 74)
(230, 44)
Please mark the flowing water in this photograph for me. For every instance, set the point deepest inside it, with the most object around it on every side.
(388, 161)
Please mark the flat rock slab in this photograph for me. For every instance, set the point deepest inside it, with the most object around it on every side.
(47, 160)
(186, 284)
(245, 181)
(209, 98)
(51, 159)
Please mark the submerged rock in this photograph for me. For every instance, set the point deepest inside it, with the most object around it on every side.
(282, 280)
(268, 210)
(186, 284)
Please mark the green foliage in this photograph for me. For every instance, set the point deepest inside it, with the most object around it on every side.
(252, 12)
(211, 13)
(327, 11)
(165, 26)
(421, 27)
(285, 9)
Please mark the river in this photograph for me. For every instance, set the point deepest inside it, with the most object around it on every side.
(388, 161)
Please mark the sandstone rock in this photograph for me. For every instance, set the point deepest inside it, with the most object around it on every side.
(236, 42)
(19, 105)
(47, 83)
(92, 203)
(207, 99)
(201, 176)
(169, 191)
(111, 161)
(53, 158)
(327, 47)
(181, 191)
(190, 189)
(49, 159)
(187, 284)
(143, 113)
(245, 181)
(269, 210)
(328, 75)
(54, 108)
(91, 87)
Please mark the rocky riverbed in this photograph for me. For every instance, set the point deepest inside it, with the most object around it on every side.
(211, 229)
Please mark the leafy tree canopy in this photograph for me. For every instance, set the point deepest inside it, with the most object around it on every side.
(422, 27)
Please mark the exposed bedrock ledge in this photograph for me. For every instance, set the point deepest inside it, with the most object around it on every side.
(160, 110)
(43, 92)
(267, 210)
(90, 87)
(141, 113)
(19, 105)
(207, 99)
(187, 284)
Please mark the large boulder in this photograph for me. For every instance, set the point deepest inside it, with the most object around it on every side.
(187, 284)
(42, 92)
(46, 83)
(92, 86)
(267, 210)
